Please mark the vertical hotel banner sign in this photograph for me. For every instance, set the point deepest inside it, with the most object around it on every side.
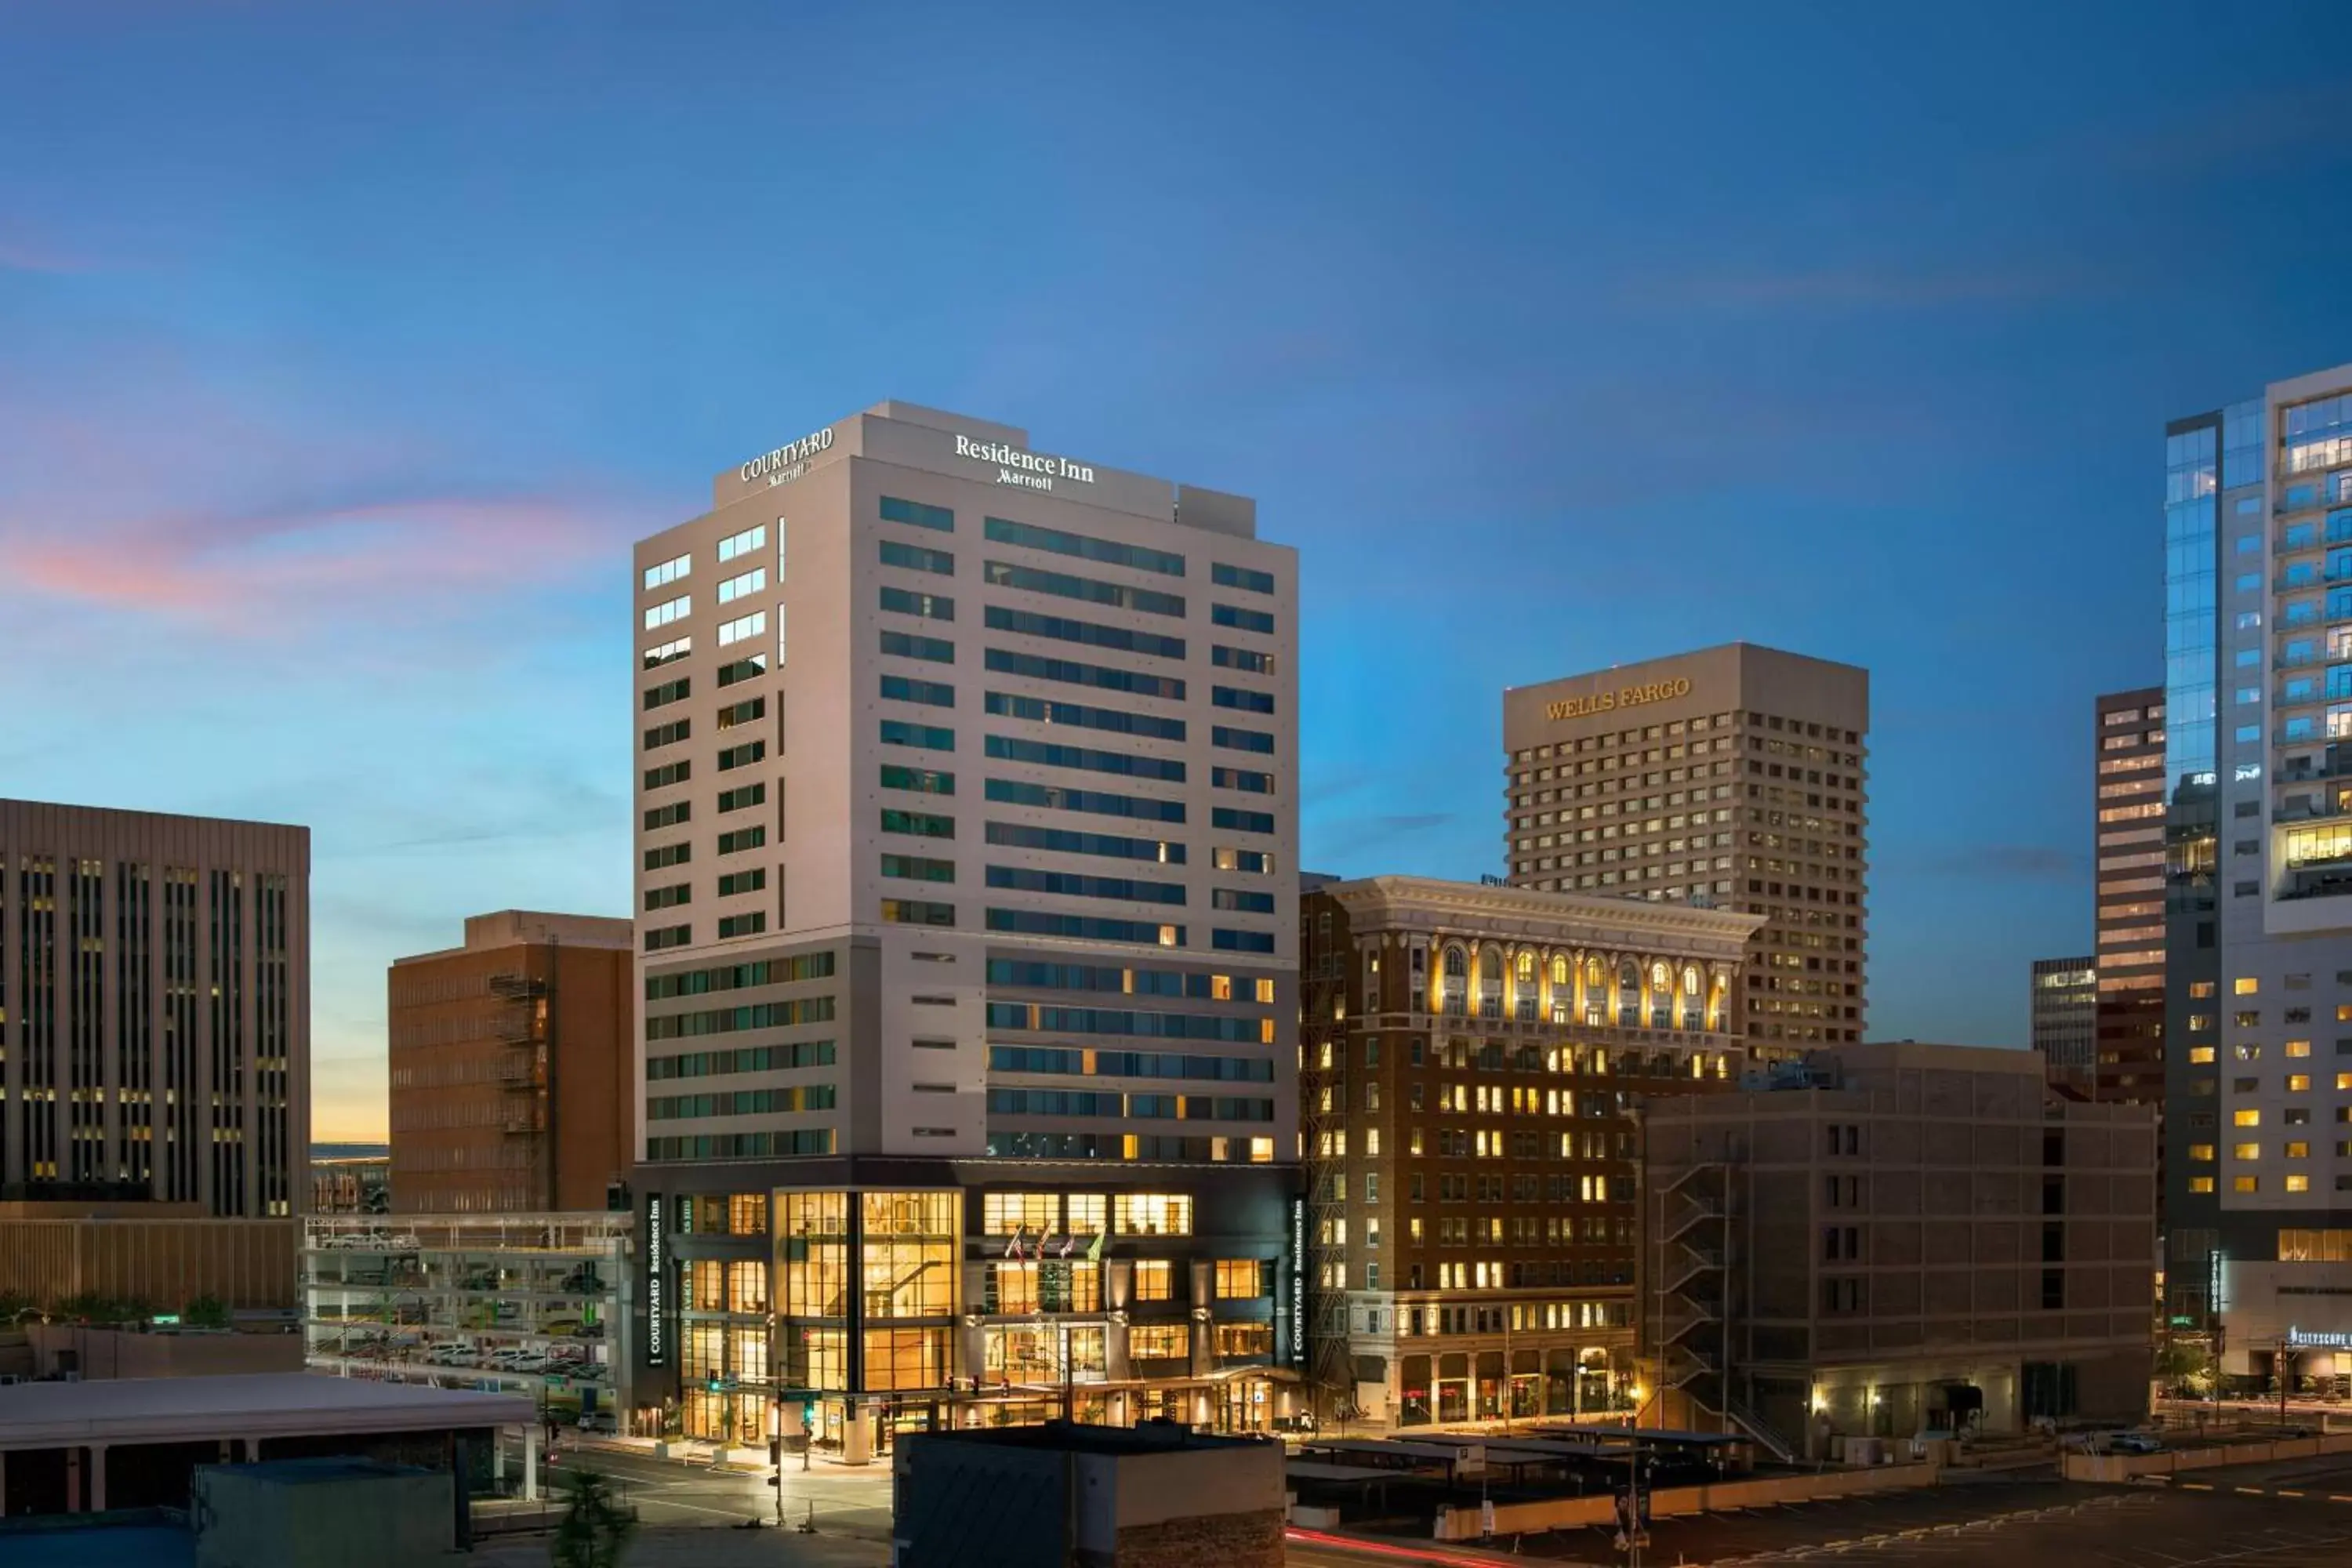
(1297, 1281)
(656, 1254)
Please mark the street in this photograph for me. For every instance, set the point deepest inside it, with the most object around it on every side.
(2020, 1525)
(842, 1502)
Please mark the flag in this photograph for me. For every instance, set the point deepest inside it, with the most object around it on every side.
(1069, 1244)
(1094, 1248)
(1012, 1247)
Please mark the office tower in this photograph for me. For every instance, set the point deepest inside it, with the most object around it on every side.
(1731, 777)
(966, 824)
(514, 1067)
(1902, 1238)
(2129, 908)
(2258, 704)
(2063, 1008)
(1472, 1057)
(154, 1009)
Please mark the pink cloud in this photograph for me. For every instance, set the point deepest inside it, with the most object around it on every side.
(255, 574)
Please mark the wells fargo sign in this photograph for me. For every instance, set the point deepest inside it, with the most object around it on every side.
(1623, 696)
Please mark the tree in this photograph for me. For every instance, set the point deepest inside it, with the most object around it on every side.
(595, 1528)
(15, 1306)
(205, 1312)
(2185, 1363)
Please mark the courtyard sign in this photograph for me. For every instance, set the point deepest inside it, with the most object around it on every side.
(656, 1332)
(786, 462)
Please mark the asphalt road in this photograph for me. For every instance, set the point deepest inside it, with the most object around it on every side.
(853, 1503)
(2023, 1525)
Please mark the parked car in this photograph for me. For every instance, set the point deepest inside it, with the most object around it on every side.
(2135, 1443)
(599, 1421)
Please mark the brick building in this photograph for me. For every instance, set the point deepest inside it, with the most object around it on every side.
(513, 1070)
(1471, 1058)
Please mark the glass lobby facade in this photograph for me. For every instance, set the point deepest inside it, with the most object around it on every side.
(876, 1311)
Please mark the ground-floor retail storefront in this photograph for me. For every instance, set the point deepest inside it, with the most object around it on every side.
(1483, 1384)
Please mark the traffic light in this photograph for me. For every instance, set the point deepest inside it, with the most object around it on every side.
(712, 1383)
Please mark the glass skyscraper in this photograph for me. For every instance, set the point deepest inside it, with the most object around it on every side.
(2258, 873)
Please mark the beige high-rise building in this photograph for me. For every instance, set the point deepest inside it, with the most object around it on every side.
(154, 1009)
(1731, 778)
(968, 917)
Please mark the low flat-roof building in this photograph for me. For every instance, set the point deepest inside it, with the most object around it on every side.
(152, 1256)
(1150, 1496)
(83, 1448)
(1892, 1238)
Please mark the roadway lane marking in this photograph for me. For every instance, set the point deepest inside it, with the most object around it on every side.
(2284, 1493)
(2250, 1491)
(2196, 1486)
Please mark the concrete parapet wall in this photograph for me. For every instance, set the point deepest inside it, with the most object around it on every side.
(1567, 1513)
(2115, 1468)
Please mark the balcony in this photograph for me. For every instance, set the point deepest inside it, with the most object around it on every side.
(2319, 879)
(2334, 766)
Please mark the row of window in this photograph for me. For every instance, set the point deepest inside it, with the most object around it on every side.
(744, 1059)
(798, 1098)
(1069, 1062)
(1128, 1107)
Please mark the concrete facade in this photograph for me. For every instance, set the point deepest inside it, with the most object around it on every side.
(1904, 1235)
(1471, 1057)
(967, 826)
(989, 712)
(1155, 1497)
(1733, 777)
(513, 1073)
(154, 1009)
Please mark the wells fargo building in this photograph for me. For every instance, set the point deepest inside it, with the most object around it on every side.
(1733, 778)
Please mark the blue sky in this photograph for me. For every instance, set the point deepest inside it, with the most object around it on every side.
(343, 350)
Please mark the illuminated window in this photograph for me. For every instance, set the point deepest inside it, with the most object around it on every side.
(2201, 1054)
(747, 1286)
(2298, 1047)
(2245, 1183)
(2245, 1150)
(1155, 1280)
(1008, 1214)
(1086, 1211)
(1155, 1213)
(1245, 1339)
(2245, 986)
(2250, 1116)
(2298, 1151)
(747, 1213)
(1240, 1279)
(2201, 1184)
(2298, 1183)
(2203, 1152)
(2298, 1082)
(906, 1358)
(1160, 1342)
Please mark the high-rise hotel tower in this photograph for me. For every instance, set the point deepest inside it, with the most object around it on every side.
(967, 910)
(2258, 869)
